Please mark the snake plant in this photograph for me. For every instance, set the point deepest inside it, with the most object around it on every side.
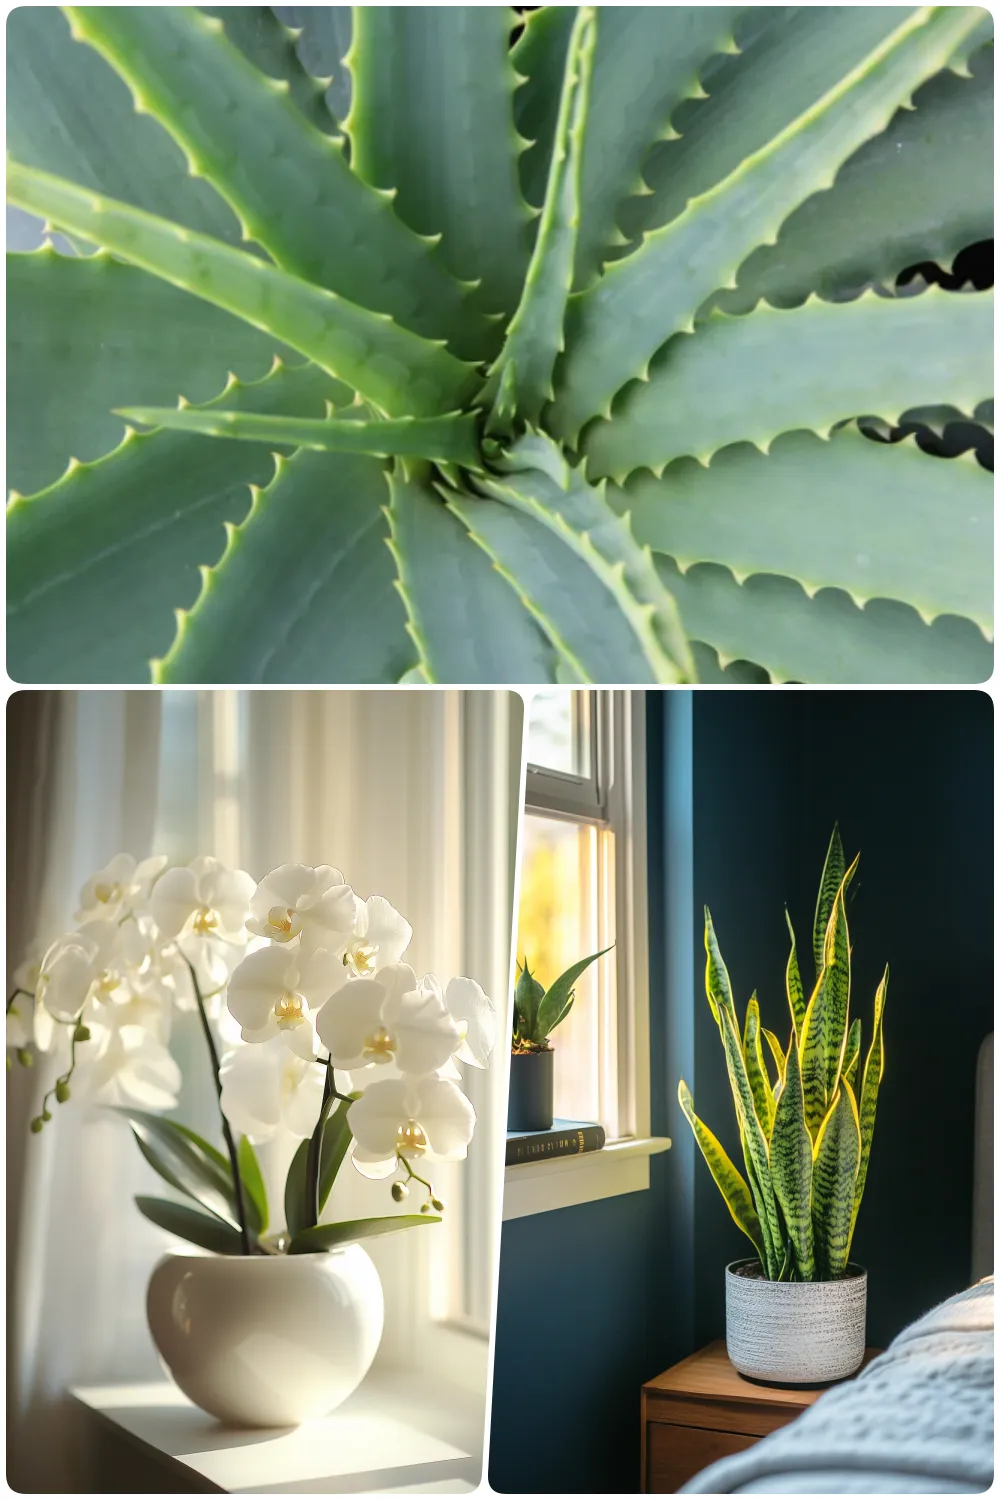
(806, 1112)
(444, 344)
(537, 1011)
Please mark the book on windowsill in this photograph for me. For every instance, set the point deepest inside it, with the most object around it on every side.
(566, 1138)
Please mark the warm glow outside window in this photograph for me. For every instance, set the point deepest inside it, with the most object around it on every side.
(575, 898)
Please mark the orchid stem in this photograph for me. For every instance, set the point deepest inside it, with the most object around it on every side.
(234, 1163)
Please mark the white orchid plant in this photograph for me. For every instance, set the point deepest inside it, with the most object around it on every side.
(326, 1033)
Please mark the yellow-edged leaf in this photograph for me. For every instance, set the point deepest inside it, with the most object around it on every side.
(728, 1179)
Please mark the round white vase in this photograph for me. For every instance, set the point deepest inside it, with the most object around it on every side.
(795, 1332)
(267, 1340)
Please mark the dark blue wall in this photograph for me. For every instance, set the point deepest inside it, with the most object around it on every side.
(744, 788)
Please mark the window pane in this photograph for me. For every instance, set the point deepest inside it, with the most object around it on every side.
(559, 731)
(567, 912)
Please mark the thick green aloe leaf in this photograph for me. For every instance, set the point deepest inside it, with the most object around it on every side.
(824, 1030)
(875, 520)
(289, 185)
(396, 370)
(791, 1162)
(466, 620)
(874, 1067)
(760, 1084)
(330, 1236)
(272, 47)
(431, 118)
(793, 982)
(789, 58)
(540, 484)
(754, 1140)
(852, 1053)
(98, 563)
(188, 1224)
(834, 870)
(535, 336)
(808, 367)
(86, 335)
(769, 620)
(450, 439)
(835, 1170)
(304, 590)
(324, 39)
(539, 59)
(618, 324)
(648, 59)
(921, 190)
(68, 113)
(728, 1179)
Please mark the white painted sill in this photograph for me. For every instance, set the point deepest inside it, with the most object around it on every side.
(621, 1167)
(400, 1433)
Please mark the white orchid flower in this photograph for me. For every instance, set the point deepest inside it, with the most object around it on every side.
(203, 906)
(74, 966)
(476, 1015)
(298, 901)
(379, 937)
(112, 890)
(126, 1065)
(268, 1087)
(420, 1119)
(275, 991)
(388, 1020)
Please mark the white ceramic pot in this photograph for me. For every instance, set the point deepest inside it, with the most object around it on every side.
(267, 1340)
(795, 1332)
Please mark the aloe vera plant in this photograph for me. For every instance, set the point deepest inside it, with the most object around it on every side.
(806, 1112)
(435, 343)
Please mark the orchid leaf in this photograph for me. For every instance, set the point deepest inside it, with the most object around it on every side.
(330, 1236)
(254, 1191)
(188, 1224)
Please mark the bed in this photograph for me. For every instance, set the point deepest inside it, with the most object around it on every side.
(919, 1418)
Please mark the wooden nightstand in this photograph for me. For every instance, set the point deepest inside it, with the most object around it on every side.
(701, 1410)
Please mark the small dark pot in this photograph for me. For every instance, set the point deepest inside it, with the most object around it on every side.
(529, 1103)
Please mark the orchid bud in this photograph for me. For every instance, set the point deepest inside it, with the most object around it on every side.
(36, 1125)
(399, 1191)
(45, 1115)
(24, 1057)
(82, 1033)
(62, 1091)
(437, 1205)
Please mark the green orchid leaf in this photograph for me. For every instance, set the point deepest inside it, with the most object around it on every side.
(393, 368)
(185, 1161)
(431, 120)
(332, 1236)
(254, 1191)
(299, 1212)
(835, 1168)
(791, 1162)
(552, 1006)
(727, 1178)
(188, 1224)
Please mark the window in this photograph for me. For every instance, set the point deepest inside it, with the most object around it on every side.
(582, 889)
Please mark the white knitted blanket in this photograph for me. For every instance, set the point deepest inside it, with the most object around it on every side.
(918, 1420)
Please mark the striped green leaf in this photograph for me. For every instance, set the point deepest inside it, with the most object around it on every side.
(790, 1155)
(806, 367)
(760, 1085)
(793, 982)
(431, 121)
(852, 1054)
(830, 882)
(300, 200)
(778, 1057)
(396, 370)
(874, 1066)
(535, 336)
(643, 300)
(727, 1178)
(836, 1156)
(754, 1140)
(717, 985)
(824, 1030)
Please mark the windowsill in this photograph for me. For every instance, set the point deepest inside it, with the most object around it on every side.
(620, 1167)
(399, 1433)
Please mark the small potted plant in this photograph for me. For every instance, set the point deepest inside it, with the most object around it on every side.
(328, 1036)
(795, 1311)
(537, 1013)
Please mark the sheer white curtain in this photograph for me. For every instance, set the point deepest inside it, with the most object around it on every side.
(414, 795)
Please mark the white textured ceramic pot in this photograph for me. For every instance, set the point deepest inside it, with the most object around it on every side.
(795, 1332)
(267, 1340)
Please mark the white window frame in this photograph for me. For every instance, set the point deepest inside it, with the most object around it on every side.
(613, 795)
